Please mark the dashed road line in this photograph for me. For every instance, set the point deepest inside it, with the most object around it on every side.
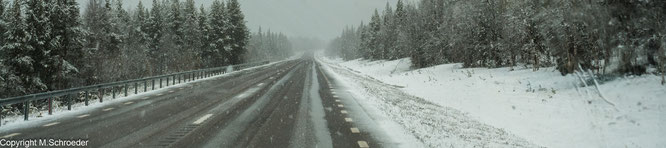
(354, 130)
(202, 119)
(11, 135)
(340, 105)
(83, 116)
(363, 144)
(335, 96)
(348, 119)
(108, 109)
(171, 91)
(51, 124)
(343, 111)
(337, 100)
(159, 94)
(128, 103)
(144, 98)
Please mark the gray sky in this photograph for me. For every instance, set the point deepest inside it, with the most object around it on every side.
(322, 19)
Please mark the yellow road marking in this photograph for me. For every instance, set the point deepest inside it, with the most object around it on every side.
(355, 130)
(11, 135)
(83, 116)
(363, 144)
(51, 124)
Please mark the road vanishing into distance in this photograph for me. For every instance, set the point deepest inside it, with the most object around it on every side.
(286, 104)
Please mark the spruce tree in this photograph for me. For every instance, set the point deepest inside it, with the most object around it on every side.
(67, 47)
(204, 29)
(237, 32)
(20, 61)
(154, 30)
(219, 50)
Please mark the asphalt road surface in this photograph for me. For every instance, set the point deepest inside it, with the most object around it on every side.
(287, 104)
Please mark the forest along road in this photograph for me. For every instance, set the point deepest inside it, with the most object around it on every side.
(288, 104)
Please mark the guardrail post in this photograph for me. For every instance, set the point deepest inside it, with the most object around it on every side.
(179, 77)
(87, 97)
(160, 82)
(113, 92)
(25, 110)
(174, 79)
(153, 84)
(125, 89)
(136, 90)
(69, 101)
(101, 94)
(50, 105)
(167, 79)
(145, 86)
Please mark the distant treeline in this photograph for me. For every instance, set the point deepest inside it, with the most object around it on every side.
(604, 36)
(47, 45)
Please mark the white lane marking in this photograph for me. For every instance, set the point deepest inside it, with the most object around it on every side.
(340, 105)
(343, 111)
(170, 91)
(332, 92)
(108, 109)
(355, 130)
(83, 116)
(159, 94)
(144, 98)
(337, 100)
(260, 84)
(51, 124)
(127, 103)
(335, 96)
(11, 135)
(363, 144)
(202, 119)
(348, 119)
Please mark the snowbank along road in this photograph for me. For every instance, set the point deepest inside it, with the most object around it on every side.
(288, 104)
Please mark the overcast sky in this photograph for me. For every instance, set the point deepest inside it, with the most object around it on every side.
(323, 19)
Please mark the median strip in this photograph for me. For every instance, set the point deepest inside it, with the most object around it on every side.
(202, 119)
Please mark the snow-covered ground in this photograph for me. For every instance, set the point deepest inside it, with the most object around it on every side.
(497, 107)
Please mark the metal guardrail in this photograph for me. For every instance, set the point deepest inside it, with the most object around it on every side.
(175, 77)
